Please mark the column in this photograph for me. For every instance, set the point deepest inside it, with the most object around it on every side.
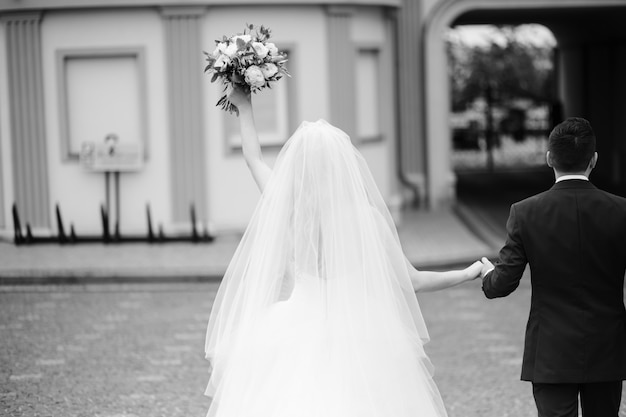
(410, 92)
(185, 64)
(28, 140)
(341, 71)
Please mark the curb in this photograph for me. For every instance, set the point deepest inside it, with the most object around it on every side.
(164, 274)
(50, 278)
(71, 279)
(81, 277)
(481, 228)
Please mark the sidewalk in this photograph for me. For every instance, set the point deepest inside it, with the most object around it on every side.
(431, 240)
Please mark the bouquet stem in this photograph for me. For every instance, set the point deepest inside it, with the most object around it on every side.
(225, 104)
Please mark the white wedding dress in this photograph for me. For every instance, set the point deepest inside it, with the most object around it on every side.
(316, 316)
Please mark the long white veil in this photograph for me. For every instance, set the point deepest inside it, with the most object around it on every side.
(321, 215)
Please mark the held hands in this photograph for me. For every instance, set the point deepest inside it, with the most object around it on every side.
(487, 266)
(479, 269)
(474, 270)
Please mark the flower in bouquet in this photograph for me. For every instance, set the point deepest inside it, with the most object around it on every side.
(246, 59)
(254, 77)
(269, 70)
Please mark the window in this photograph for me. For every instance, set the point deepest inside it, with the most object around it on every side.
(101, 93)
(367, 90)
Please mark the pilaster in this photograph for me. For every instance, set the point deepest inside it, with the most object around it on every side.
(341, 56)
(184, 70)
(28, 139)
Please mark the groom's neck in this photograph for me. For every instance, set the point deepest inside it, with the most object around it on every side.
(558, 174)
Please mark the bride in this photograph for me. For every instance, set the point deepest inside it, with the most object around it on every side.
(316, 315)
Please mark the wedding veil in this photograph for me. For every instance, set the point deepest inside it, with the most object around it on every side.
(321, 215)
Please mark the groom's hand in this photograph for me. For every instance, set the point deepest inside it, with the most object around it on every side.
(487, 267)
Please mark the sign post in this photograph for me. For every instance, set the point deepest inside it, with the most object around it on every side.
(111, 157)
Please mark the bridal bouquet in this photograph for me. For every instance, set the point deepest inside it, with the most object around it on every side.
(247, 59)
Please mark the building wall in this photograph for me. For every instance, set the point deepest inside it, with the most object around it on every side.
(590, 84)
(78, 192)
(413, 91)
(6, 188)
(232, 201)
(229, 195)
(372, 27)
(312, 99)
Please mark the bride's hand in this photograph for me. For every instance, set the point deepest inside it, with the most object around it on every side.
(473, 271)
(240, 97)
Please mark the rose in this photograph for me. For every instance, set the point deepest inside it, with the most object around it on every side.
(269, 70)
(273, 50)
(260, 49)
(231, 50)
(221, 62)
(254, 77)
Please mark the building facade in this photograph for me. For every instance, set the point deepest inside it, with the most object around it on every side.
(74, 73)
(77, 75)
(590, 62)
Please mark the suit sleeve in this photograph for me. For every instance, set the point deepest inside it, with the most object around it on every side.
(506, 275)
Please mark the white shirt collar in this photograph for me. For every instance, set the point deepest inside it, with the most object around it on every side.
(572, 177)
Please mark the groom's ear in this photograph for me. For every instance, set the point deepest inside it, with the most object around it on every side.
(549, 159)
(593, 161)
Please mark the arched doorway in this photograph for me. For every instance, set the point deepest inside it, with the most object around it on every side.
(503, 106)
(503, 96)
(590, 66)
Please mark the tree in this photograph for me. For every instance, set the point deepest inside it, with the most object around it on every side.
(504, 68)
(507, 66)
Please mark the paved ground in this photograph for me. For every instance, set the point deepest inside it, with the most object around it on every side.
(126, 338)
(126, 350)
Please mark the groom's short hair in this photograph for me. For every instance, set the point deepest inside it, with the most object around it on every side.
(572, 143)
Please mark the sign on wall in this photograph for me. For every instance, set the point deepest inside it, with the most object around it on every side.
(110, 155)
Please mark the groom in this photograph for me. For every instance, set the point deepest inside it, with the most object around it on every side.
(573, 236)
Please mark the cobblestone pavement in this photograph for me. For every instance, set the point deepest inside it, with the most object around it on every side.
(126, 350)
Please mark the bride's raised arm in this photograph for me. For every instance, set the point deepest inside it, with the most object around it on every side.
(249, 138)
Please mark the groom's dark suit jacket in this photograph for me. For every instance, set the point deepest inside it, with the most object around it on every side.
(573, 237)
